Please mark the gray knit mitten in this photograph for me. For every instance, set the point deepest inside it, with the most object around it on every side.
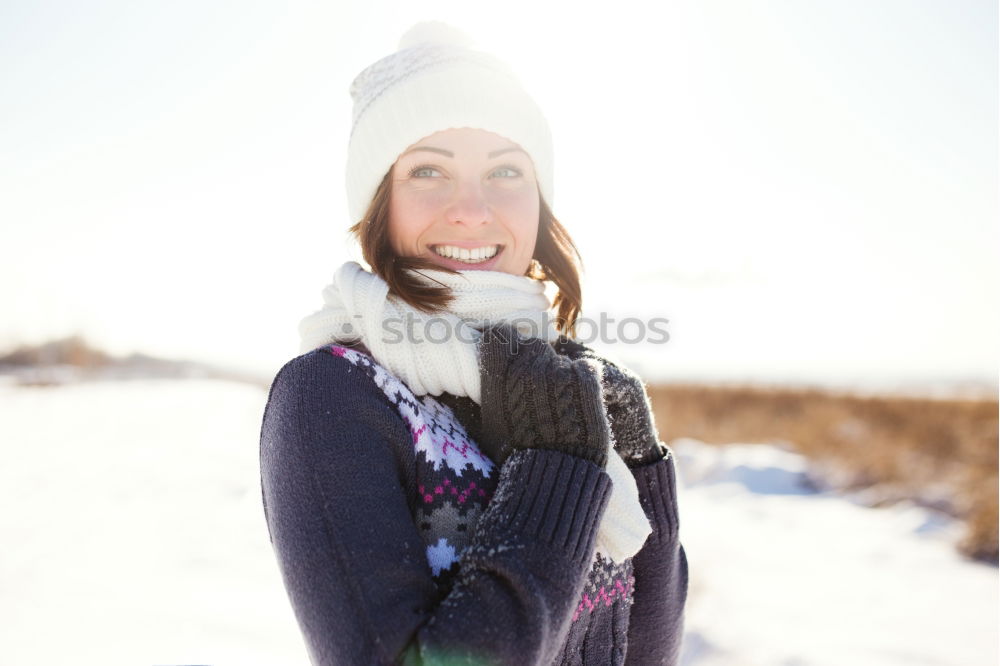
(628, 408)
(533, 398)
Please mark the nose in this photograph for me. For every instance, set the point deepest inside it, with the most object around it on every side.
(469, 206)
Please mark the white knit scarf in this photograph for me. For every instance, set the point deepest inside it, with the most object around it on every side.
(435, 353)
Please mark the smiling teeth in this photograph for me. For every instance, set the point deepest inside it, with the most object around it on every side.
(466, 255)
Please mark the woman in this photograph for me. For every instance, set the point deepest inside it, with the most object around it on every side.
(449, 478)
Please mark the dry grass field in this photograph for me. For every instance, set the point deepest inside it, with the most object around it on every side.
(937, 452)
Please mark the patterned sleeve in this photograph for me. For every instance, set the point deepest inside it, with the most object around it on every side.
(656, 624)
(353, 561)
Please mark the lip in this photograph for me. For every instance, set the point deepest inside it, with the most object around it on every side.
(454, 264)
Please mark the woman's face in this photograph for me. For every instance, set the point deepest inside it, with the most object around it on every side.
(466, 199)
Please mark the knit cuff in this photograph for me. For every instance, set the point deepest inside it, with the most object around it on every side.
(550, 499)
(657, 485)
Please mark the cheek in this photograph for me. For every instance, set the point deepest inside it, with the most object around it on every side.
(522, 216)
(399, 226)
(408, 218)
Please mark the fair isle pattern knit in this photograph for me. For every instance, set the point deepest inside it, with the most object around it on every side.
(608, 581)
(605, 609)
(454, 482)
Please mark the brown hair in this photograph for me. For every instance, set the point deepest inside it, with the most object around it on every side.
(556, 258)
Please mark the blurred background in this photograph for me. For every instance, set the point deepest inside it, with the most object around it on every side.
(807, 191)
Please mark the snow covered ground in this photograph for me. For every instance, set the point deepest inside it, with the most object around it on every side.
(133, 534)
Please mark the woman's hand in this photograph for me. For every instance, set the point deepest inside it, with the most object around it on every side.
(534, 398)
(629, 411)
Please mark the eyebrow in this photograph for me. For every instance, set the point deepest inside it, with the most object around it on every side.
(448, 153)
(506, 150)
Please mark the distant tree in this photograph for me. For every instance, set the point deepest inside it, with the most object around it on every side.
(72, 350)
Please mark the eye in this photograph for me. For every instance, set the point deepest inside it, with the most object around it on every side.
(506, 171)
(423, 171)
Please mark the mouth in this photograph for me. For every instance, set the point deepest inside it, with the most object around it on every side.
(483, 256)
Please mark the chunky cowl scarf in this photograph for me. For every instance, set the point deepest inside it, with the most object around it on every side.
(435, 353)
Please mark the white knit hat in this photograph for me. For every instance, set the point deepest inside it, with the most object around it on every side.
(436, 81)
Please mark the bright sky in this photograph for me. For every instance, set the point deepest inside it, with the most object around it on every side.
(806, 190)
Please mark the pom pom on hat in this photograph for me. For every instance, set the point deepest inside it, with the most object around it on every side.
(437, 80)
(435, 32)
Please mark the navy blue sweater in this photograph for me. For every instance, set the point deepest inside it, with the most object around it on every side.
(400, 542)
